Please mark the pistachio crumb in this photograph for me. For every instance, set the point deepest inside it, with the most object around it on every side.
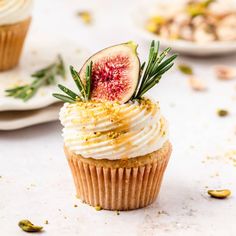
(46, 222)
(85, 16)
(75, 205)
(185, 69)
(222, 112)
(117, 213)
(220, 194)
(98, 208)
(27, 226)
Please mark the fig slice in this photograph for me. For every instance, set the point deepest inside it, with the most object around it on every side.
(115, 73)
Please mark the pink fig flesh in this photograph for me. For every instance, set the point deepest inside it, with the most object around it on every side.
(115, 73)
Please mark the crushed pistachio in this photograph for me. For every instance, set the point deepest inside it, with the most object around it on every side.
(151, 27)
(85, 16)
(117, 213)
(206, 3)
(154, 23)
(222, 112)
(161, 212)
(198, 7)
(27, 226)
(46, 222)
(75, 205)
(113, 134)
(220, 194)
(98, 208)
(195, 10)
(158, 20)
(185, 69)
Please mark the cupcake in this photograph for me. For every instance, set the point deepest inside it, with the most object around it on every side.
(15, 17)
(115, 138)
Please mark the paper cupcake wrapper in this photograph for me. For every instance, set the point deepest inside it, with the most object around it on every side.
(118, 188)
(12, 39)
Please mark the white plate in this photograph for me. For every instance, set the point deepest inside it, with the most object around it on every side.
(11, 120)
(39, 54)
(145, 10)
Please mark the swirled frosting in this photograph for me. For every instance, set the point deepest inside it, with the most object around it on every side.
(13, 11)
(108, 130)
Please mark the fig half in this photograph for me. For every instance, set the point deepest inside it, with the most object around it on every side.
(115, 73)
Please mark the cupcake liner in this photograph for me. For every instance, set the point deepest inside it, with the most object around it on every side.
(12, 39)
(118, 188)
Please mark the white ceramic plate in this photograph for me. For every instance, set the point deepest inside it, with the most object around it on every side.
(145, 10)
(39, 54)
(11, 120)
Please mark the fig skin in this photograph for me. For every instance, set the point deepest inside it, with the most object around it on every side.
(128, 83)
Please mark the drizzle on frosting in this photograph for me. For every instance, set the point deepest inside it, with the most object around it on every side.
(109, 130)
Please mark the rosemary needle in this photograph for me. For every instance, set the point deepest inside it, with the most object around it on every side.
(150, 74)
(42, 77)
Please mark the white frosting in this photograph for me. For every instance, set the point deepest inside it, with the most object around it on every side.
(13, 11)
(108, 130)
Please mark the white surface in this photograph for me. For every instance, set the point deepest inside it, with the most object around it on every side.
(143, 11)
(36, 181)
(12, 120)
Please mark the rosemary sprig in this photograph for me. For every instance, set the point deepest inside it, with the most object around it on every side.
(43, 77)
(84, 89)
(152, 73)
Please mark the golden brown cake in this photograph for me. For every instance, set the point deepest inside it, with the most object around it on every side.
(119, 184)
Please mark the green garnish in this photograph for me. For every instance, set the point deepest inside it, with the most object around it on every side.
(222, 112)
(84, 90)
(98, 208)
(27, 226)
(43, 77)
(150, 75)
(185, 69)
(151, 72)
